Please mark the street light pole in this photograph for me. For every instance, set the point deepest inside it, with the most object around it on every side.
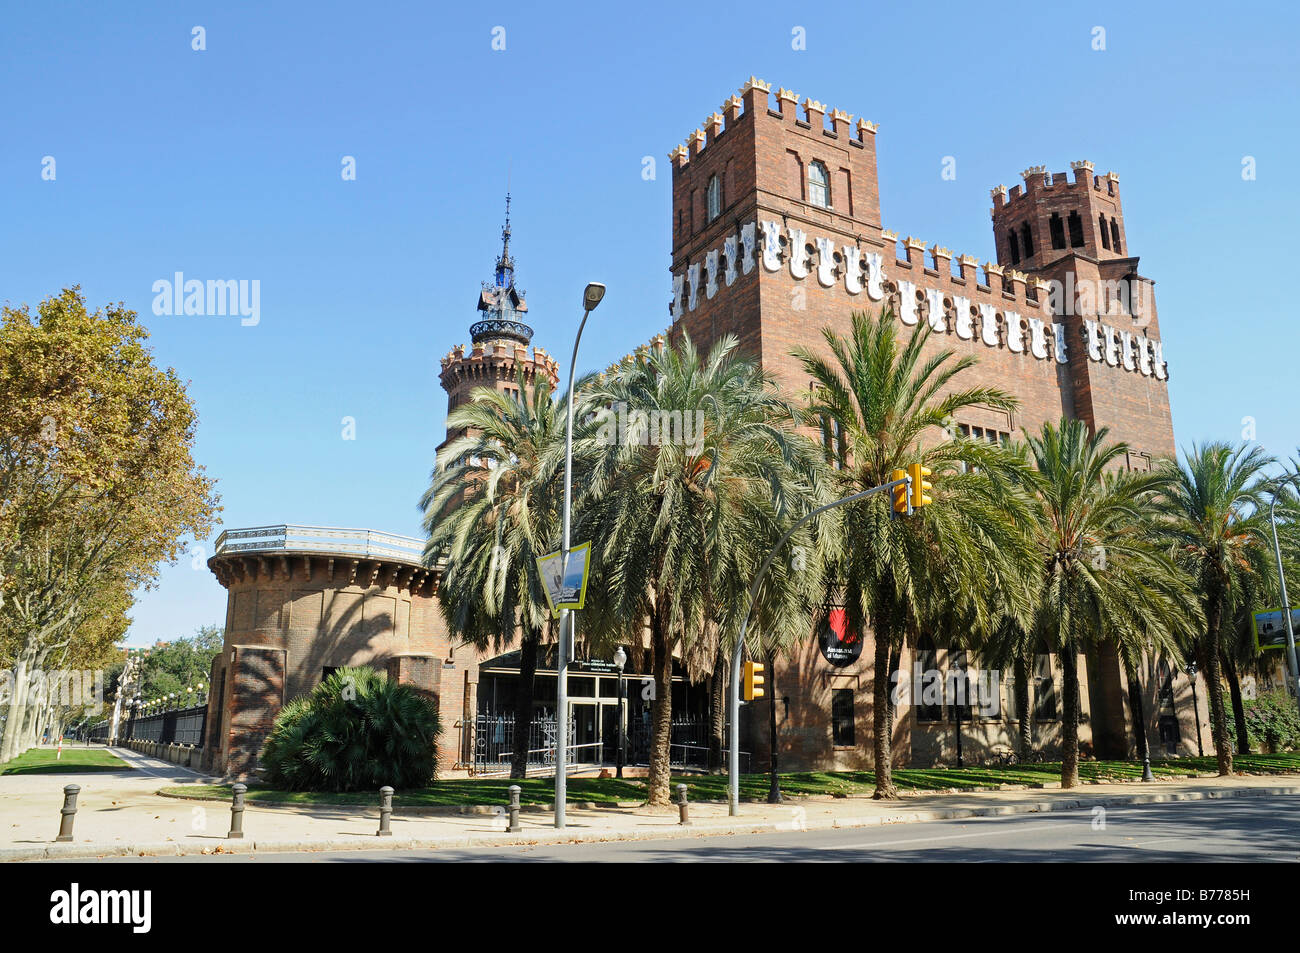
(737, 656)
(620, 659)
(1196, 708)
(590, 298)
(1286, 605)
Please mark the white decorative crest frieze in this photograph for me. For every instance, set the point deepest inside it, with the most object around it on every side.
(864, 270)
(825, 262)
(771, 244)
(798, 253)
(907, 302)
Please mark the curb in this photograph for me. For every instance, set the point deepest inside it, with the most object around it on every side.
(667, 832)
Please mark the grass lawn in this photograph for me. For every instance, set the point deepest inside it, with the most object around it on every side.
(74, 761)
(464, 792)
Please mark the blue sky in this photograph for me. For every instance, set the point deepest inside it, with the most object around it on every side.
(225, 163)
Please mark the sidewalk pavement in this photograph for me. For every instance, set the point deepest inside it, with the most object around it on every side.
(119, 813)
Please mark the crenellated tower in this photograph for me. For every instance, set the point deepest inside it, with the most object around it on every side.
(499, 340)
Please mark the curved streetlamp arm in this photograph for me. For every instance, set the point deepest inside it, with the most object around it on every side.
(733, 755)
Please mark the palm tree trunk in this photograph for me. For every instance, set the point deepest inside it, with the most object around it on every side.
(528, 645)
(882, 736)
(1024, 717)
(717, 712)
(1136, 712)
(1214, 687)
(1238, 709)
(1070, 723)
(895, 659)
(662, 723)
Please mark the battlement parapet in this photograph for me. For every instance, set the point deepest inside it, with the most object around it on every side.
(755, 99)
(1037, 181)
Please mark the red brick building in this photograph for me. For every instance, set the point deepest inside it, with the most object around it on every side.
(778, 233)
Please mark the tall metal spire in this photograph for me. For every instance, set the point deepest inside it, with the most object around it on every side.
(505, 264)
(501, 303)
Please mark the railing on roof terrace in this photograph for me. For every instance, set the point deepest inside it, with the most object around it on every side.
(289, 537)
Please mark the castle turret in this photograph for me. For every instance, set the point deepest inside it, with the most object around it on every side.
(499, 340)
(1052, 216)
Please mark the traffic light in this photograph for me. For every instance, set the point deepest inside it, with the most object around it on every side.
(752, 683)
(899, 492)
(920, 485)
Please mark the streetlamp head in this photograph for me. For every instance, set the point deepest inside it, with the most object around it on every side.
(1191, 669)
(620, 658)
(591, 297)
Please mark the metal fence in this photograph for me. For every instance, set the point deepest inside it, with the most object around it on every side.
(494, 739)
(181, 726)
(494, 745)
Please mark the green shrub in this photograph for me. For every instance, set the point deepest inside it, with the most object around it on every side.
(355, 731)
(1272, 721)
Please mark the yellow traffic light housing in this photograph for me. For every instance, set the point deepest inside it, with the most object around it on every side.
(752, 682)
(921, 487)
(899, 492)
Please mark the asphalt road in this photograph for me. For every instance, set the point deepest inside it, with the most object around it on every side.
(1233, 829)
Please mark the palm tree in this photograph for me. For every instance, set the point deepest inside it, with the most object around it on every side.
(679, 520)
(1216, 522)
(881, 399)
(492, 508)
(1104, 574)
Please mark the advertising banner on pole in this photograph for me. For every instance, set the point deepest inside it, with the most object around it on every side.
(566, 590)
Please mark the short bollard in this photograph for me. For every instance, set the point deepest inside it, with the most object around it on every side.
(385, 812)
(682, 806)
(237, 812)
(515, 827)
(69, 812)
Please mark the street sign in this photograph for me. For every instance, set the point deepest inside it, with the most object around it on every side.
(839, 646)
(1270, 628)
(565, 590)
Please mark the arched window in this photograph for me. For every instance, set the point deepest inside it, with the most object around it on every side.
(714, 196)
(1076, 230)
(1114, 235)
(1044, 688)
(1015, 247)
(958, 686)
(819, 185)
(1026, 240)
(1105, 232)
(1057, 228)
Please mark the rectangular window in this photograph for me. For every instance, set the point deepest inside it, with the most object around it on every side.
(1044, 689)
(842, 728)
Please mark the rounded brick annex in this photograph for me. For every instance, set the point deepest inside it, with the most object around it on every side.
(303, 601)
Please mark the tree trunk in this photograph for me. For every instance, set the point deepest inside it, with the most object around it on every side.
(1137, 712)
(1214, 686)
(10, 741)
(1238, 709)
(774, 788)
(882, 735)
(1024, 717)
(1070, 723)
(718, 712)
(895, 659)
(660, 774)
(528, 645)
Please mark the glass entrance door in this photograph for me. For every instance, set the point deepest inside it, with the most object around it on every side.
(586, 733)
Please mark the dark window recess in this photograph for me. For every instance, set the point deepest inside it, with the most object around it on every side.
(958, 687)
(1057, 228)
(1105, 232)
(327, 671)
(930, 690)
(1114, 235)
(1015, 247)
(1027, 240)
(1076, 230)
(1044, 689)
(842, 729)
